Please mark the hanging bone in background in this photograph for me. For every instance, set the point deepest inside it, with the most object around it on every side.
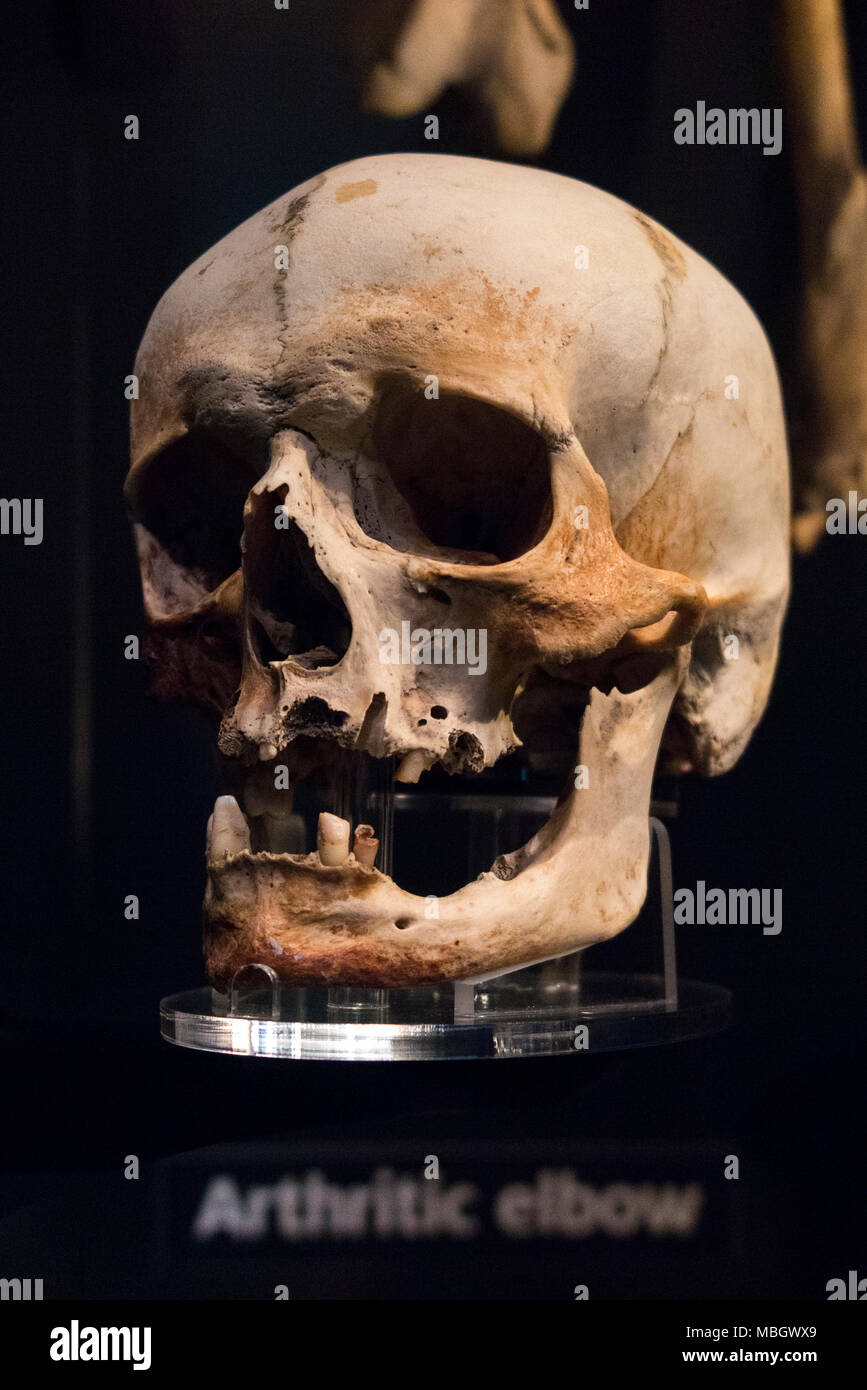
(829, 407)
(515, 56)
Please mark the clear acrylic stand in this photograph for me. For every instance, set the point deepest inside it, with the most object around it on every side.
(556, 1006)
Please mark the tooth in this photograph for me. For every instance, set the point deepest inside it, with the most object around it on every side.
(332, 839)
(267, 752)
(285, 834)
(412, 766)
(228, 830)
(365, 845)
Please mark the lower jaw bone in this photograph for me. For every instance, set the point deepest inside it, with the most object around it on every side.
(580, 880)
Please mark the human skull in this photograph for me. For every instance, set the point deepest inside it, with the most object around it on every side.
(432, 390)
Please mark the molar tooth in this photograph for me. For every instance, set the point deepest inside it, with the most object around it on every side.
(267, 752)
(228, 832)
(412, 766)
(365, 845)
(332, 839)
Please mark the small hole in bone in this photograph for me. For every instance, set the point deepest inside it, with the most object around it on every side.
(403, 922)
(439, 712)
(420, 722)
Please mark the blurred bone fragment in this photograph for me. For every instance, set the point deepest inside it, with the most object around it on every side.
(829, 407)
(516, 56)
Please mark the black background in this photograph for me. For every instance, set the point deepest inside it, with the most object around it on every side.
(106, 794)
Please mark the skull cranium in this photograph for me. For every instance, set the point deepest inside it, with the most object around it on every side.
(443, 392)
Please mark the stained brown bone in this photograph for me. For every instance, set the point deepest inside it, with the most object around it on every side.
(574, 596)
(461, 271)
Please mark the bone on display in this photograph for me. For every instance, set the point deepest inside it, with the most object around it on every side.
(412, 401)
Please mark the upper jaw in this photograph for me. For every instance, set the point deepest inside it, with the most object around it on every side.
(581, 879)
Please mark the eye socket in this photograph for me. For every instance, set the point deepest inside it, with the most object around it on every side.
(477, 478)
(191, 496)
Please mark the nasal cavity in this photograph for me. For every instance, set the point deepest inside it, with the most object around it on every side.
(476, 478)
(293, 609)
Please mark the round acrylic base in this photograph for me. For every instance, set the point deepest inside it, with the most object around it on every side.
(534, 1012)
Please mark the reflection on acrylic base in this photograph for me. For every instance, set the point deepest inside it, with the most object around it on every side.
(556, 1007)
